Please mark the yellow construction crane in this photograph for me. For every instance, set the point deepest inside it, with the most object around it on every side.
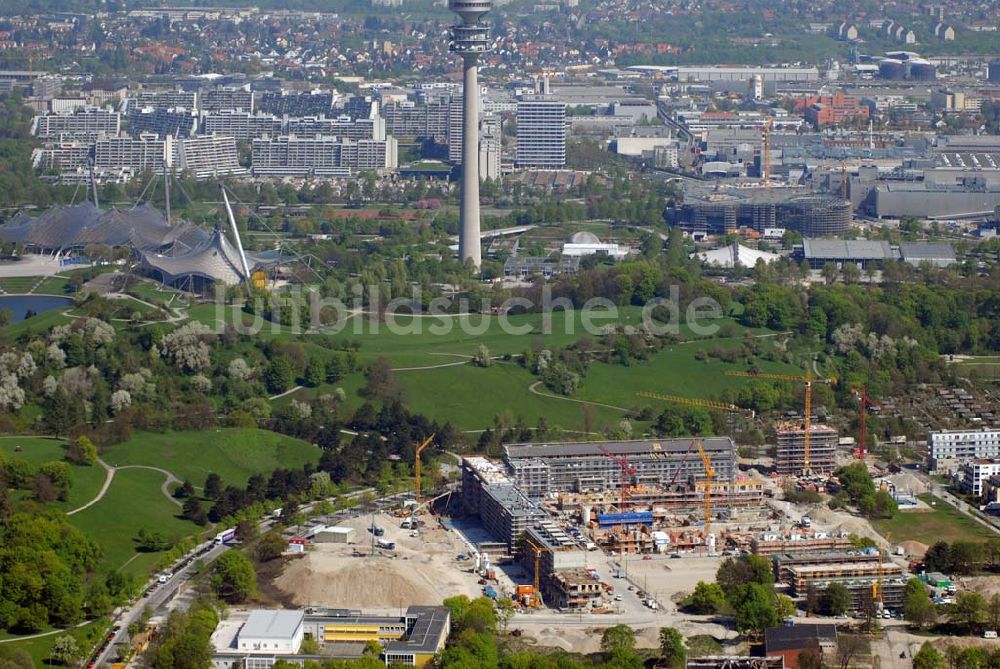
(536, 599)
(877, 586)
(808, 380)
(707, 484)
(416, 462)
(708, 404)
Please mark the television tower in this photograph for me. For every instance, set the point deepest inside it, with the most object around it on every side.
(470, 39)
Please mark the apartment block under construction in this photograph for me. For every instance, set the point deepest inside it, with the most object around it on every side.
(540, 470)
(864, 580)
(790, 458)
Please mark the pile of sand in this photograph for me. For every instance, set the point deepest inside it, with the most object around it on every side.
(359, 582)
(907, 482)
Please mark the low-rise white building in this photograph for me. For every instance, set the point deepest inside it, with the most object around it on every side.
(272, 632)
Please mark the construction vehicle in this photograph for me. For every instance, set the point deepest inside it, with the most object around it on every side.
(416, 462)
(807, 426)
(866, 403)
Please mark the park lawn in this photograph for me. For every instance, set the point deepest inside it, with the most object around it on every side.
(672, 371)
(133, 501)
(39, 648)
(944, 523)
(53, 285)
(232, 453)
(87, 480)
(18, 284)
(37, 325)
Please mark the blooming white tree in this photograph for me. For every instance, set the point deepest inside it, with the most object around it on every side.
(120, 400)
(301, 409)
(11, 395)
(240, 370)
(55, 355)
(187, 346)
(201, 383)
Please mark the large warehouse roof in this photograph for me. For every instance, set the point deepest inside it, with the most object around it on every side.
(835, 249)
(67, 227)
(632, 447)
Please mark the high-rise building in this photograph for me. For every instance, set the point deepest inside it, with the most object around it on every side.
(790, 456)
(244, 126)
(541, 132)
(80, 124)
(322, 156)
(470, 39)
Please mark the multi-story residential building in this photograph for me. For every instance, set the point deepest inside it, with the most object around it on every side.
(316, 103)
(203, 157)
(160, 99)
(244, 126)
(173, 122)
(343, 127)
(208, 157)
(972, 475)
(541, 132)
(62, 156)
(227, 99)
(790, 457)
(821, 110)
(81, 123)
(290, 155)
(950, 448)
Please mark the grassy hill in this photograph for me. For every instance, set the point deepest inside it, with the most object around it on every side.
(233, 454)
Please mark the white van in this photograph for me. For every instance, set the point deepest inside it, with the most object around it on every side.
(990, 634)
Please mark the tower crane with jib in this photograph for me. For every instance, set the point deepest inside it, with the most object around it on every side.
(866, 403)
(807, 424)
(696, 402)
(707, 484)
(626, 472)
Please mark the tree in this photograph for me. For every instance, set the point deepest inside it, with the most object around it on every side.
(81, 451)
(969, 610)
(278, 376)
(810, 659)
(310, 646)
(993, 612)
(707, 598)
(505, 609)
(734, 573)
(672, 650)
(938, 557)
(65, 650)
(918, 609)
(271, 546)
(755, 609)
(381, 382)
(184, 490)
(829, 272)
(233, 576)
(617, 639)
(928, 658)
(836, 599)
(192, 510)
(213, 486)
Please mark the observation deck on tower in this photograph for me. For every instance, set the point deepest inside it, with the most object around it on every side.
(472, 36)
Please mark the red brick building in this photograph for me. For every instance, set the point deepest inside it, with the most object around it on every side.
(821, 110)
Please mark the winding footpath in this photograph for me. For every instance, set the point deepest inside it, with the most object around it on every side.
(169, 478)
(534, 389)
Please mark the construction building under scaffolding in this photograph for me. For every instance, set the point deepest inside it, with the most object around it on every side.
(540, 470)
(735, 662)
(799, 541)
(862, 579)
(790, 457)
(742, 495)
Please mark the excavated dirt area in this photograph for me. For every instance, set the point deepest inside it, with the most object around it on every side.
(421, 571)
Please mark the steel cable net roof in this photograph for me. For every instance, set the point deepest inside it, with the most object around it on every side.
(67, 227)
(215, 259)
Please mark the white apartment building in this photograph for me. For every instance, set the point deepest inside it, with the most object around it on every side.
(244, 126)
(290, 155)
(541, 132)
(972, 475)
(950, 448)
(82, 123)
(203, 157)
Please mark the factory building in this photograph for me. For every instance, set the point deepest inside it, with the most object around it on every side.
(790, 458)
(919, 199)
(823, 110)
(539, 470)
